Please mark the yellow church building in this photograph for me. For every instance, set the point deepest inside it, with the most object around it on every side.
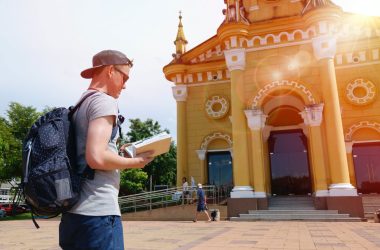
(282, 101)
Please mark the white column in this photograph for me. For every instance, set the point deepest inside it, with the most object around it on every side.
(256, 122)
(235, 60)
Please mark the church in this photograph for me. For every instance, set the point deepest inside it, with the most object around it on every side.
(282, 101)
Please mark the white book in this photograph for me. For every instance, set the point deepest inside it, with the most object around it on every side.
(159, 144)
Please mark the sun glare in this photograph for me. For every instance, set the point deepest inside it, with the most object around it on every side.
(364, 7)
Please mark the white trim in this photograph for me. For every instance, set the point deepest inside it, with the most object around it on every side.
(368, 141)
(280, 128)
(322, 193)
(207, 83)
(279, 46)
(219, 150)
(357, 65)
(259, 194)
(342, 189)
(242, 192)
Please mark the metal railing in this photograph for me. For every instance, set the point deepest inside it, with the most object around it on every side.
(165, 197)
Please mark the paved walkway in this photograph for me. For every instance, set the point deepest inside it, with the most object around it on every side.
(215, 235)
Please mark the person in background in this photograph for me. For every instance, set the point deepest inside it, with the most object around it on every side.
(185, 191)
(94, 222)
(201, 204)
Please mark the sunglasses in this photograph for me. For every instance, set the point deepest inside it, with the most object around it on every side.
(125, 76)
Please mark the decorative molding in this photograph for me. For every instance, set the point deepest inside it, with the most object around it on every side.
(369, 88)
(312, 115)
(214, 136)
(360, 125)
(180, 93)
(235, 59)
(276, 84)
(324, 47)
(255, 118)
(220, 101)
(201, 154)
(349, 147)
(344, 32)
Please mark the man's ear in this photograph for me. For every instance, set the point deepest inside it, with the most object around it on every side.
(110, 71)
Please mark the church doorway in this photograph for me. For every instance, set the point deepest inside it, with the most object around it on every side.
(289, 163)
(367, 167)
(219, 171)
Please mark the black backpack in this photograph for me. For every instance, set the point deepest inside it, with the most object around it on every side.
(51, 182)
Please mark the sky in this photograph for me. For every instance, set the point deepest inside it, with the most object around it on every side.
(45, 44)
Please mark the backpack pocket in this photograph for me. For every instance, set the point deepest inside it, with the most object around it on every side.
(51, 189)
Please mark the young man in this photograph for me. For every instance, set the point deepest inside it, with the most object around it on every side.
(201, 205)
(94, 222)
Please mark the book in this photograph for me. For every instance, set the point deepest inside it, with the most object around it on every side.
(159, 143)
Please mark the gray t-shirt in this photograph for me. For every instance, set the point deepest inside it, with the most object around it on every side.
(99, 197)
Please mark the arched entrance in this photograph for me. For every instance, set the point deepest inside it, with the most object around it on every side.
(289, 163)
(367, 167)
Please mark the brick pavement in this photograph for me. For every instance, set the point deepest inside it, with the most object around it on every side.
(185, 235)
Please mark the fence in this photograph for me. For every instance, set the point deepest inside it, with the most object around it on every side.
(164, 198)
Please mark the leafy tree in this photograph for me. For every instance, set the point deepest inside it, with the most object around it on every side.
(12, 132)
(163, 167)
(132, 181)
(10, 153)
(21, 118)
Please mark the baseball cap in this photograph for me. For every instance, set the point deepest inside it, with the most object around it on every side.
(104, 58)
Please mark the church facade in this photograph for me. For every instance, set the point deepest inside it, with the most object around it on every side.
(283, 100)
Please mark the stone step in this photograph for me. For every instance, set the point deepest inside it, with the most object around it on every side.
(294, 216)
(291, 208)
(293, 211)
(290, 198)
(289, 201)
(346, 219)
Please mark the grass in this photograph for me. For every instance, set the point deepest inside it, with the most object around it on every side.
(23, 216)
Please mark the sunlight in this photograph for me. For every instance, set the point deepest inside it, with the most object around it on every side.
(364, 7)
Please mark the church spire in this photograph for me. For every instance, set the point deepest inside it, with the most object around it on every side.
(180, 42)
(316, 4)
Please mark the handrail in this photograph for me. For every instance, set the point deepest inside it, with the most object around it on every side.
(164, 197)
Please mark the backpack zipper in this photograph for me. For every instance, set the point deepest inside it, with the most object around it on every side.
(29, 146)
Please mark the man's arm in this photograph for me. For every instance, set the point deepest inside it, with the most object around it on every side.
(98, 156)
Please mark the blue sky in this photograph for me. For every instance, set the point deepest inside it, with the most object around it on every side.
(45, 44)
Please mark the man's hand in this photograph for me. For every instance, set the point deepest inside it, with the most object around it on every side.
(144, 158)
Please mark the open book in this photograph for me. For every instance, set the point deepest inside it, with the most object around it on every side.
(160, 144)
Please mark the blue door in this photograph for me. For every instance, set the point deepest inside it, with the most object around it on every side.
(219, 170)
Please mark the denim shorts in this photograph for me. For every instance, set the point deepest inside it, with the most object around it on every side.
(90, 232)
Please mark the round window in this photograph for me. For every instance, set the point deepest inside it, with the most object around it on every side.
(361, 92)
(217, 106)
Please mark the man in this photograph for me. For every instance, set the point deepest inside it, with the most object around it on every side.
(201, 205)
(185, 191)
(94, 222)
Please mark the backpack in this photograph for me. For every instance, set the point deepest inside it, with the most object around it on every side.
(51, 183)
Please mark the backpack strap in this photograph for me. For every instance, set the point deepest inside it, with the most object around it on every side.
(76, 107)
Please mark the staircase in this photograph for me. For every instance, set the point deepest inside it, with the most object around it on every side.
(370, 204)
(293, 208)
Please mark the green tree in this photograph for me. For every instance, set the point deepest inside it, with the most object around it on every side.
(12, 133)
(10, 153)
(132, 181)
(21, 118)
(163, 167)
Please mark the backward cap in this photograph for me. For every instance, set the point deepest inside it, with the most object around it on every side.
(104, 58)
